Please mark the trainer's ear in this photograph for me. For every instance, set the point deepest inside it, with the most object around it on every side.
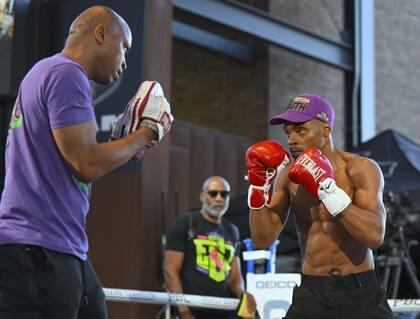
(99, 32)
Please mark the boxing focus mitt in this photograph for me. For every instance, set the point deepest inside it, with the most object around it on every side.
(148, 108)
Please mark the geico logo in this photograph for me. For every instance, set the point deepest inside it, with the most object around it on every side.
(270, 284)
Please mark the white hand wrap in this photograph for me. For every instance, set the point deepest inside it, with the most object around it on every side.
(333, 197)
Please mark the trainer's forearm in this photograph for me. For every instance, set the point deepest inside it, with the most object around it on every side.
(265, 227)
(105, 157)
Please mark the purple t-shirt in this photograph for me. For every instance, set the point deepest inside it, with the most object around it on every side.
(43, 203)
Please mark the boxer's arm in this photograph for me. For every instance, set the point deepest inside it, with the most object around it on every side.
(173, 265)
(89, 159)
(365, 218)
(266, 223)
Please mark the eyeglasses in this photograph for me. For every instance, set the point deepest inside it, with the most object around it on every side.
(213, 194)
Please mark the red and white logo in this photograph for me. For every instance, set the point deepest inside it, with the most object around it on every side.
(166, 121)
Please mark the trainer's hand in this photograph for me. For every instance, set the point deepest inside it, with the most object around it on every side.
(315, 172)
(264, 160)
(148, 108)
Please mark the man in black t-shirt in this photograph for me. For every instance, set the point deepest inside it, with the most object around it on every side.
(202, 251)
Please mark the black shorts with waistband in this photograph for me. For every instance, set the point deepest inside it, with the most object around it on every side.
(357, 295)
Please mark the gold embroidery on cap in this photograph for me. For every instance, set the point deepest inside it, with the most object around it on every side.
(323, 117)
(298, 104)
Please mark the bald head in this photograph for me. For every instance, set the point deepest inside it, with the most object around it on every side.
(99, 40)
(215, 180)
(89, 19)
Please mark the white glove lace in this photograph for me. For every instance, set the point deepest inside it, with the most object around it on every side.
(269, 175)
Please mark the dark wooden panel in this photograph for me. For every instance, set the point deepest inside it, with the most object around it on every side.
(211, 152)
(180, 164)
(227, 159)
(179, 181)
(181, 134)
(155, 200)
(135, 219)
(158, 42)
(202, 162)
(242, 184)
(113, 228)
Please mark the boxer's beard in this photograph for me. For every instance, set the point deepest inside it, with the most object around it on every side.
(216, 210)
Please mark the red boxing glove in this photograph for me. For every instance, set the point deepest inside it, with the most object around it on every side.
(315, 172)
(310, 169)
(264, 160)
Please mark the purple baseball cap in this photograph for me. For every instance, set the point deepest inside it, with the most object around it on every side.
(305, 107)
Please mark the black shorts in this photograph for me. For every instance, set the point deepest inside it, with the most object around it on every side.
(330, 297)
(39, 283)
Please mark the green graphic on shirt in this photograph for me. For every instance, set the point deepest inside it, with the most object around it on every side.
(18, 122)
(17, 116)
(214, 256)
(85, 187)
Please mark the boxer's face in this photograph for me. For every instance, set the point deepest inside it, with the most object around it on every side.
(301, 136)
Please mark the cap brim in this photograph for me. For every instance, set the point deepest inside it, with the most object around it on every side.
(290, 116)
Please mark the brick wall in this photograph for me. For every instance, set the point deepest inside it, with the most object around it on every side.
(218, 91)
(397, 71)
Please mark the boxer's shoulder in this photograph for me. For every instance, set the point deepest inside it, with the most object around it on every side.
(355, 163)
(359, 168)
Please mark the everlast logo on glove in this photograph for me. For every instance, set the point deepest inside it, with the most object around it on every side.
(316, 171)
(310, 169)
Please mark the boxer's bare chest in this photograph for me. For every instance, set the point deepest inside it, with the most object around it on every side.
(310, 213)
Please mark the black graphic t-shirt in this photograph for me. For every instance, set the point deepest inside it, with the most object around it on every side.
(209, 251)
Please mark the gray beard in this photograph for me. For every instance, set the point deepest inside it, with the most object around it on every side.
(214, 212)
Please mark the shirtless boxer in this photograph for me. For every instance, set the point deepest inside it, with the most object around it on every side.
(336, 197)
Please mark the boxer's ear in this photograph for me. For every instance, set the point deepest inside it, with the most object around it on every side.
(325, 130)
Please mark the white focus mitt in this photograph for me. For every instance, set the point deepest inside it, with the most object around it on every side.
(148, 108)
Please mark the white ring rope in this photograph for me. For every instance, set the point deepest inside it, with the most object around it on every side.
(167, 298)
(154, 297)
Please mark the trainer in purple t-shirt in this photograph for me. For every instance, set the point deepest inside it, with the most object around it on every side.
(43, 203)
